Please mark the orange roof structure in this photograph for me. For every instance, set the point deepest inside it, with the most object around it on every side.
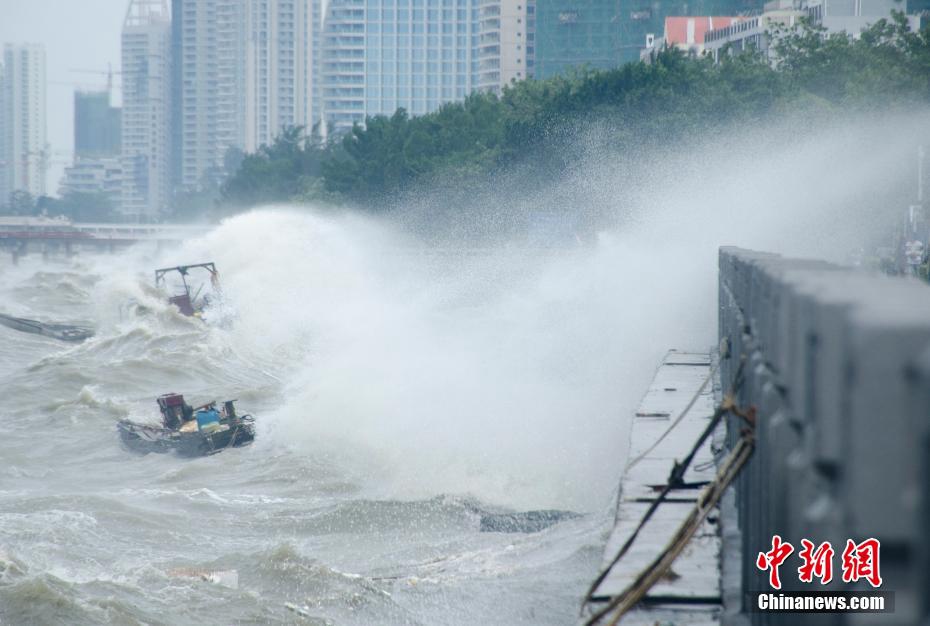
(688, 31)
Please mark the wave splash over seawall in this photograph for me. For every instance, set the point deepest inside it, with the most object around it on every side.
(402, 386)
(488, 372)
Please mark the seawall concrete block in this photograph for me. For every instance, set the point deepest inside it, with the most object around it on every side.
(837, 365)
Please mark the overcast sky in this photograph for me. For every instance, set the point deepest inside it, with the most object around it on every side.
(77, 34)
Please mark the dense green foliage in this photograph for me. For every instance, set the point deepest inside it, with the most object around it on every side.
(887, 63)
(536, 120)
(390, 152)
(280, 172)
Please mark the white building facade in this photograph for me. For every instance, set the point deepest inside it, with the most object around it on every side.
(280, 56)
(209, 96)
(94, 175)
(342, 75)
(23, 141)
(378, 56)
(505, 42)
(854, 16)
(244, 73)
(228, 107)
(146, 118)
(759, 32)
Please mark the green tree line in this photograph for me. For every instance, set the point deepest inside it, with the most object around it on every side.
(533, 120)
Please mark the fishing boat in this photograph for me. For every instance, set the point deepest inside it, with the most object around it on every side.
(188, 431)
(190, 303)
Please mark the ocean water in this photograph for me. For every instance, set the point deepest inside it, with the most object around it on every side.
(399, 390)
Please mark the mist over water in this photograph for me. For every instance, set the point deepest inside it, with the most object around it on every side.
(402, 378)
(498, 368)
(434, 370)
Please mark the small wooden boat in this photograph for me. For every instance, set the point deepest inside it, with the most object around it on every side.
(189, 302)
(187, 431)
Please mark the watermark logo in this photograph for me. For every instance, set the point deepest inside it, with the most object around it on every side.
(773, 559)
(860, 561)
(817, 563)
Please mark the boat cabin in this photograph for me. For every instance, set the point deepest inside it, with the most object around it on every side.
(188, 303)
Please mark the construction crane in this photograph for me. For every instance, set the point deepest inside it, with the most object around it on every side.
(81, 86)
(108, 73)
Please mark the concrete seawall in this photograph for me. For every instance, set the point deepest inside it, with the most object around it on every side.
(837, 365)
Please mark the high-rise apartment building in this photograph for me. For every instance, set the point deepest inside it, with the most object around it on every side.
(506, 42)
(231, 32)
(97, 125)
(279, 61)
(381, 56)
(199, 85)
(343, 79)
(146, 135)
(23, 144)
(208, 67)
(242, 73)
(176, 128)
(4, 159)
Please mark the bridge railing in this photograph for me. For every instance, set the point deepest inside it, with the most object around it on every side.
(837, 364)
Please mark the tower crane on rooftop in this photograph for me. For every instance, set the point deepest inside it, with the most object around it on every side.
(109, 72)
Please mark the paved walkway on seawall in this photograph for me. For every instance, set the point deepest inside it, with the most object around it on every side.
(690, 594)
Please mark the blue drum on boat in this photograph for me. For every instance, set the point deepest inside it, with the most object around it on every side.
(207, 418)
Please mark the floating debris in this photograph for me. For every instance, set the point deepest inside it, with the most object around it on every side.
(225, 578)
(526, 522)
(63, 332)
(304, 611)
